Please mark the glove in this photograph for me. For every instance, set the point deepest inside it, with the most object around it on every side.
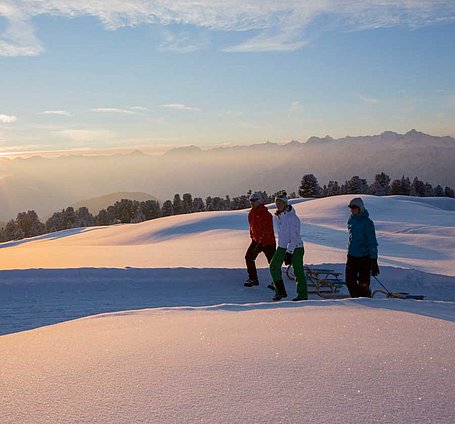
(288, 258)
(374, 267)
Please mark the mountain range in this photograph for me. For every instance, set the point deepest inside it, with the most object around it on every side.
(50, 184)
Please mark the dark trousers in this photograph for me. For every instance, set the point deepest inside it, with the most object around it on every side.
(253, 252)
(358, 276)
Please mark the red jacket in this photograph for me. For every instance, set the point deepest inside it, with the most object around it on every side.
(261, 225)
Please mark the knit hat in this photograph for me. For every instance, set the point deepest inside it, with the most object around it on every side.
(255, 197)
(281, 198)
(357, 201)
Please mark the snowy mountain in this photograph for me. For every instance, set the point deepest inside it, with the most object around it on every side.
(47, 185)
(168, 333)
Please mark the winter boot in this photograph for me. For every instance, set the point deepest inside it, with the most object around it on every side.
(251, 282)
(280, 291)
(298, 299)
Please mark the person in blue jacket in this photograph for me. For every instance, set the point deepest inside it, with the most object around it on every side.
(362, 250)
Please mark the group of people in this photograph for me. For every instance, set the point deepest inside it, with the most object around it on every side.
(362, 256)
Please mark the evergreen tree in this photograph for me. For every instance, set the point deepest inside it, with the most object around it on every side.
(69, 218)
(448, 192)
(84, 218)
(333, 189)
(429, 192)
(150, 209)
(438, 191)
(381, 185)
(309, 186)
(12, 231)
(104, 218)
(29, 224)
(177, 205)
(401, 186)
(198, 205)
(417, 188)
(356, 185)
(125, 210)
(56, 222)
(187, 203)
(167, 209)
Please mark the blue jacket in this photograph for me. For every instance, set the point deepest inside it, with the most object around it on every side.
(362, 236)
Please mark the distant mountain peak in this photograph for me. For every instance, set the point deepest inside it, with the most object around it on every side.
(413, 132)
(314, 139)
(185, 150)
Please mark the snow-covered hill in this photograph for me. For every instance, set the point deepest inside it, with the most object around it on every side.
(170, 334)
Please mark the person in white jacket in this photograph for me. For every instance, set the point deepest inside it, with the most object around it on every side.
(290, 249)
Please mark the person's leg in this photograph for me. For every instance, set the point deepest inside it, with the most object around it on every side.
(250, 256)
(297, 264)
(269, 251)
(351, 275)
(275, 264)
(275, 271)
(364, 277)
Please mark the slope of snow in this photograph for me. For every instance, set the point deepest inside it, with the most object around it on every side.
(326, 363)
(412, 232)
(207, 349)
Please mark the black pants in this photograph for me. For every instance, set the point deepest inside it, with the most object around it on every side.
(253, 252)
(358, 276)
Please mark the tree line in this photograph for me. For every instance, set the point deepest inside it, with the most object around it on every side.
(27, 224)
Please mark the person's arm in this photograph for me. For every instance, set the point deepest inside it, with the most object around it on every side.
(294, 238)
(266, 227)
(372, 243)
(373, 248)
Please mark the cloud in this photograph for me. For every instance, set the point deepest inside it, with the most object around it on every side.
(271, 25)
(182, 42)
(18, 38)
(139, 108)
(7, 119)
(113, 110)
(294, 107)
(56, 112)
(369, 99)
(179, 106)
(87, 135)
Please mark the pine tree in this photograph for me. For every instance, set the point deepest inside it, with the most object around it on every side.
(333, 189)
(177, 205)
(29, 224)
(438, 191)
(167, 209)
(198, 205)
(84, 218)
(448, 192)
(104, 218)
(356, 185)
(150, 209)
(401, 186)
(187, 203)
(429, 192)
(381, 185)
(417, 188)
(309, 186)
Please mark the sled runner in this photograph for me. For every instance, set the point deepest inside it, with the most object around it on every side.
(396, 295)
(323, 282)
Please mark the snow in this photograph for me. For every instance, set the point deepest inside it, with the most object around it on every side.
(150, 323)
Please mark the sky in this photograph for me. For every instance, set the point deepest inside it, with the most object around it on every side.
(89, 75)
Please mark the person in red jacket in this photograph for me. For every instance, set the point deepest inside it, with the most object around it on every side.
(262, 237)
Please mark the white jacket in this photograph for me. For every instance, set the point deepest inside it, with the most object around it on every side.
(287, 227)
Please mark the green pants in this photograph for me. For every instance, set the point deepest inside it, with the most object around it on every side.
(297, 264)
